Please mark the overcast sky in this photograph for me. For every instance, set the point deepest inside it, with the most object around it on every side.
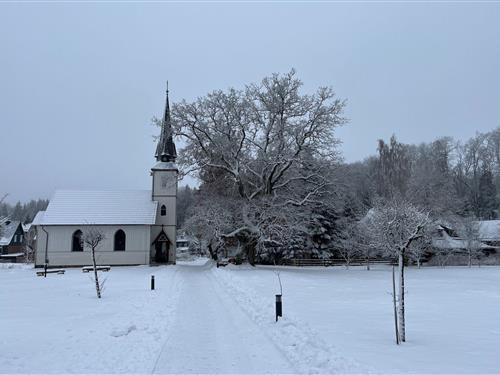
(79, 82)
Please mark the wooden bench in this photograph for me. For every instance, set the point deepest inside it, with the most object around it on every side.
(58, 271)
(98, 268)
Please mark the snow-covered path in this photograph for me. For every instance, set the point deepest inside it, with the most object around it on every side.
(211, 334)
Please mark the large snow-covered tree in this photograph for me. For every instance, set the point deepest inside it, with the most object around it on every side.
(268, 145)
(393, 226)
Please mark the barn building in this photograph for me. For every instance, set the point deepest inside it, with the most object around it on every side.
(139, 225)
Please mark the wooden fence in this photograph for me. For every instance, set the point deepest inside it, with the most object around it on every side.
(334, 262)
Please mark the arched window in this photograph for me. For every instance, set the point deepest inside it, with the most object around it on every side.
(77, 241)
(163, 210)
(120, 239)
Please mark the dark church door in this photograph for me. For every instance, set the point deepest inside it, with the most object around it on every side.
(161, 255)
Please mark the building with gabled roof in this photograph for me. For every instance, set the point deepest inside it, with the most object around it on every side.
(139, 225)
(11, 240)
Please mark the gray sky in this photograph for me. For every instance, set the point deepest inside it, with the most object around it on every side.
(79, 82)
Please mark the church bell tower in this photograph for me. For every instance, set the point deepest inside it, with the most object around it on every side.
(164, 191)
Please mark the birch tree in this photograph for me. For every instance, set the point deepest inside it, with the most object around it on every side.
(393, 226)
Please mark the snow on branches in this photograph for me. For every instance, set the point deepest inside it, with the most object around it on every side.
(392, 227)
(267, 146)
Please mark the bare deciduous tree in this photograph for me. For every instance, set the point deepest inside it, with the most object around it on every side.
(93, 238)
(393, 226)
(208, 221)
(349, 243)
(468, 231)
(29, 246)
(1, 201)
(420, 246)
(268, 144)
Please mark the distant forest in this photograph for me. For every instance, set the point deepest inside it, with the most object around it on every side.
(24, 212)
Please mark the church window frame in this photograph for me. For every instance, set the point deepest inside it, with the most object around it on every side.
(120, 240)
(163, 210)
(77, 241)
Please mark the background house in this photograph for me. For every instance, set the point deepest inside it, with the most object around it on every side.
(11, 240)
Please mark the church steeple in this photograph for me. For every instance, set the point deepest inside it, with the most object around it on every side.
(165, 150)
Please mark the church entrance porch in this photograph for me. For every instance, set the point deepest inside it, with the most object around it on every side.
(161, 248)
(161, 252)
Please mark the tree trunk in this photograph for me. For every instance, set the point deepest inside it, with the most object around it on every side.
(470, 258)
(418, 262)
(368, 263)
(401, 305)
(394, 305)
(97, 287)
(251, 253)
(211, 252)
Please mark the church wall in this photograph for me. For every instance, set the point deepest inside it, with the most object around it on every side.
(170, 218)
(165, 182)
(137, 246)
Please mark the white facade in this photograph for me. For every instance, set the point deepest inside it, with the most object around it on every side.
(58, 239)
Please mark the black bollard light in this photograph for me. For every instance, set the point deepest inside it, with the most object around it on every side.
(152, 282)
(279, 308)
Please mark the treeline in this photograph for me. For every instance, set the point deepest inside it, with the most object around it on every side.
(24, 212)
(445, 176)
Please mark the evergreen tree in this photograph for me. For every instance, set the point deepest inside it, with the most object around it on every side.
(487, 195)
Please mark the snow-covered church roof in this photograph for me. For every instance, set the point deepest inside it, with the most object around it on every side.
(80, 207)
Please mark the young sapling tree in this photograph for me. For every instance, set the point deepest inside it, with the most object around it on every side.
(93, 238)
(394, 225)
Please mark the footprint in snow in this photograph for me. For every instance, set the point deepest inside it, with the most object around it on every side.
(123, 331)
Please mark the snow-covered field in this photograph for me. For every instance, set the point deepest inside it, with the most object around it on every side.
(201, 319)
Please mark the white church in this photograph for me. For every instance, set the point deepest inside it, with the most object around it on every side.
(139, 225)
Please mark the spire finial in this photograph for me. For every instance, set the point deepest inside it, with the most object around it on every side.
(167, 87)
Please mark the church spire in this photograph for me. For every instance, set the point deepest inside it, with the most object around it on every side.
(165, 151)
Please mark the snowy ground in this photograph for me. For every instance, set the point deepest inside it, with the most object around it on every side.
(201, 319)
